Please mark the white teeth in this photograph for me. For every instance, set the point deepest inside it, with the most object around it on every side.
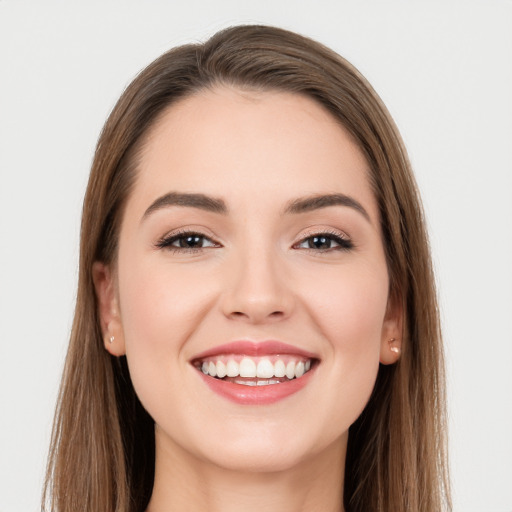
(259, 368)
(221, 369)
(268, 382)
(290, 370)
(265, 369)
(246, 382)
(232, 369)
(247, 368)
(279, 369)
(258, 382)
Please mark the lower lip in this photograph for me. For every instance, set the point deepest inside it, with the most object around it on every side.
(256, 395)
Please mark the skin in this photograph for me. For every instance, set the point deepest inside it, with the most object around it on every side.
(256, 278)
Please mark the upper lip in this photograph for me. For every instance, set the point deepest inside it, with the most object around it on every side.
(255, 349)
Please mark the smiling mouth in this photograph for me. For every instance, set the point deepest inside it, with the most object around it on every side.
(255, 371)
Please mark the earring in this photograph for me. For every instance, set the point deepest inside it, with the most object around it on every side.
(396, 350)
(111, 339)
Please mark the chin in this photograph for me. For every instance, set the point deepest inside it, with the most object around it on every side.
(248, 459)
(267, 449)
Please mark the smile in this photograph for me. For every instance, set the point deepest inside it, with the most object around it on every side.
(255, 373)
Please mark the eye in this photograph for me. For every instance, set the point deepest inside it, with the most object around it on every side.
(186, 241)
(325, 242)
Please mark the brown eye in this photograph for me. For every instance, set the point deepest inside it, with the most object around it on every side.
(320, 242)
(186, 241)
(325, 242)
(189, 242)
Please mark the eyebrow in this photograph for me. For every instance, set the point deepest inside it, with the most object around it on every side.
(216, 205)
(315, 202)
(201, 201)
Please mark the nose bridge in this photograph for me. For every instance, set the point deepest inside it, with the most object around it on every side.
(258, 290)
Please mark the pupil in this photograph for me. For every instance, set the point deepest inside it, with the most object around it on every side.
(320, 242)
(190, 241)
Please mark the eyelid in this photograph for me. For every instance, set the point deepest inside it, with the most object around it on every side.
(346, 241)
(316, 231)
(166, 240)
(343, 241)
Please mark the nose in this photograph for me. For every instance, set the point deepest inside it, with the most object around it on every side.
(257, 289)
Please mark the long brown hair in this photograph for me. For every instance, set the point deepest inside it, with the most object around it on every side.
(102, 454)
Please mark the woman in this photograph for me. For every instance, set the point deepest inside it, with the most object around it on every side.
(256, 323)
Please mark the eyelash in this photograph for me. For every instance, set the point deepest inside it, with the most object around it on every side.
(167, 241)
(344, 243)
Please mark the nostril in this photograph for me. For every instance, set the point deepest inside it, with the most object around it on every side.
(240, 314)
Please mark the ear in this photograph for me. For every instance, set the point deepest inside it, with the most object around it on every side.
(110, 319)
(391, 337)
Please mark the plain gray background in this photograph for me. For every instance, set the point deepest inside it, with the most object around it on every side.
(444, 69)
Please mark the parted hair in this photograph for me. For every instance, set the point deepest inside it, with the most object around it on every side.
(102, 454)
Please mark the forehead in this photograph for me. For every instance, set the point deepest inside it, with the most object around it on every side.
(230, 143)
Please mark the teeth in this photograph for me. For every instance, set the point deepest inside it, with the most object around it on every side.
(262, 369)
(257, 382)
(279, 369)
(232, 369)
(247, 368)
(221, 369)
(247, 382)
(265, 369)
(267, 382)
(290, 370)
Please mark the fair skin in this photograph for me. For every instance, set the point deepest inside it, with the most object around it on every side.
(255, 268)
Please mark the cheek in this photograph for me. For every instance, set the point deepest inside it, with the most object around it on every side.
(349, 312)
(160, 308)
(159, 305)
(350, 305)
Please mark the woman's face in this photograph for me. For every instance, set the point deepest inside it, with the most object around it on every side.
(250, 250)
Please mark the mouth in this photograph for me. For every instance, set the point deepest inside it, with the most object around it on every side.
(249, 373)
(255, 371)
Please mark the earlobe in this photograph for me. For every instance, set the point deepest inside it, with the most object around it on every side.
(390, 351)
(108, 310)
(391, 342)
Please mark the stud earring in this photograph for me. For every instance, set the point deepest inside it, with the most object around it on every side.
(111, 339)
(396, 350)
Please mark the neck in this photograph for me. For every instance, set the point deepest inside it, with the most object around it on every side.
(184, 482)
